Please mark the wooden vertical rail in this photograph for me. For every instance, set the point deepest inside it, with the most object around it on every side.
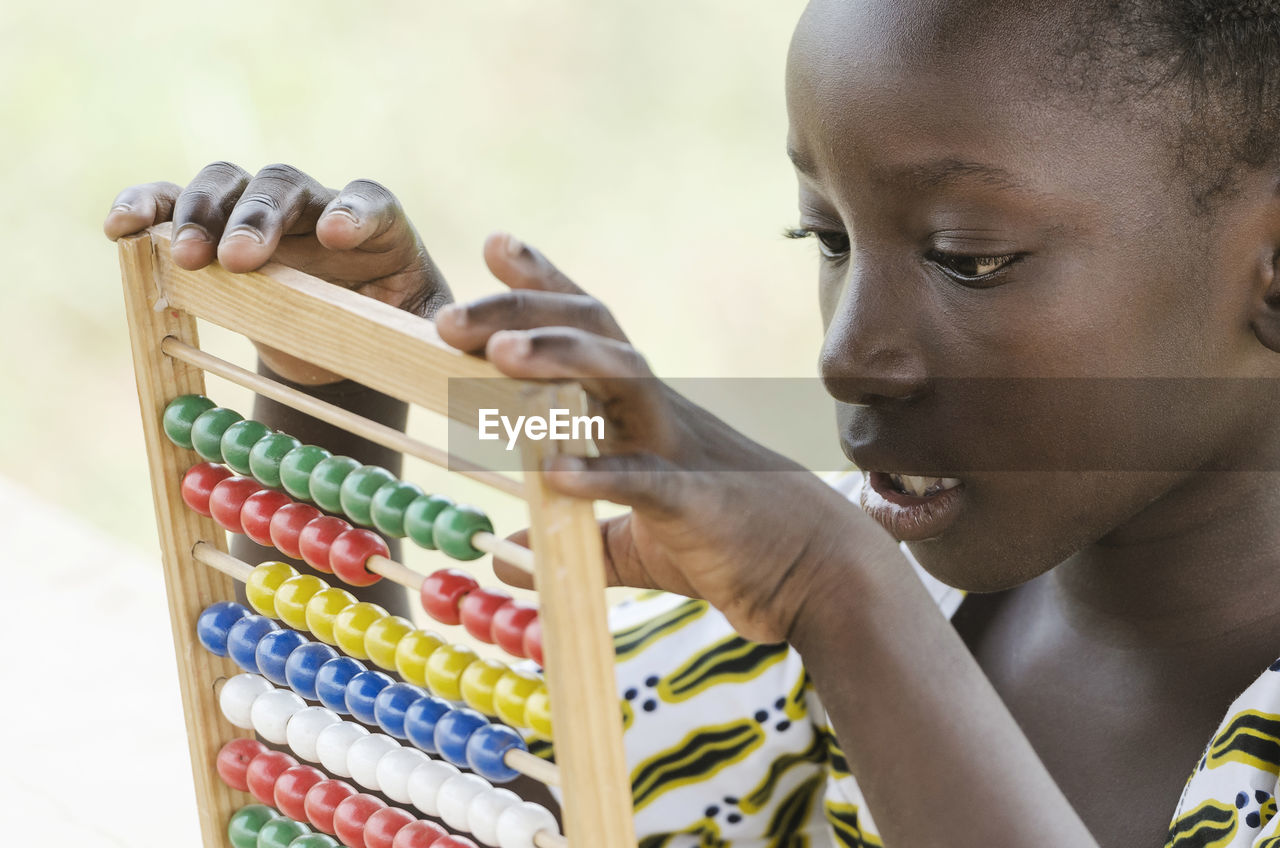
(577, 647)
(188, 586)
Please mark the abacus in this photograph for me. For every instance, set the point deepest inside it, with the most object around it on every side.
(387, 732)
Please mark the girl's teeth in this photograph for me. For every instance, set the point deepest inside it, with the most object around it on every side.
(923, 486)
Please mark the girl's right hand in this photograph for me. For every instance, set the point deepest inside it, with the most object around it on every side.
(358, 238)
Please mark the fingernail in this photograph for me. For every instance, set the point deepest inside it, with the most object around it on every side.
(457, 315)
(564, 464)
(243, 232)
(122, 207)
(191, 232)
(515, 343)
(515, 247)
(342, 212)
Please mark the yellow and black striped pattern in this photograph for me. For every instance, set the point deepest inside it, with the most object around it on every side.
(1211, 825)
(1252, 738)
(697, 757)
(731, 660)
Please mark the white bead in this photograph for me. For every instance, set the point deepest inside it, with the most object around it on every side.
(362, 759)
(271, 713)
(424, 784)
(394, 769)
(237, 697)
(483, 812)
(304, 729)
(455, 797)
(517, 825)
(334, 742)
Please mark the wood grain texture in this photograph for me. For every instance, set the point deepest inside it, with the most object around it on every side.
(189, 587)
(577, 646)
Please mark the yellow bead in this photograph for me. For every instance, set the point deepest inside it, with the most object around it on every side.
(477, 682)
(352, 623)
(323, 609)
(292, 596)
(412, 654)
(262, 584)
(537, 712)
(382, 638)
(444, 670)
(510, 694)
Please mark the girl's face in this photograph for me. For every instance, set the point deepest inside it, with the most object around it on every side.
(1008, 267)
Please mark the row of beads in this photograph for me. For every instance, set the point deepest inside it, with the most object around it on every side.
(376, 762)
(464, 737)
(331, 545)
(367, 631)
(369, 495)
(259, 826)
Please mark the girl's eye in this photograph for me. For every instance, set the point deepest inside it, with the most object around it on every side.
(971, 269)
(832, 243)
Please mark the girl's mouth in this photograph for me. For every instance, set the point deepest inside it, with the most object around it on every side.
(911, 507)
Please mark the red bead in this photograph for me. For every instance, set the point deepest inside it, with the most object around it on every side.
(348, 553)
(292, 786)
(234, 759)
(420, 834)
(256, 514)
(441, 592)
(454, 841)
(533, 641)
(227, 499)
(509, 624)
(381, 828)
(263, 771)
(477, 608)
(351, 815)
(287, 523)
(321, 801)
(198, 483)
(316, 537)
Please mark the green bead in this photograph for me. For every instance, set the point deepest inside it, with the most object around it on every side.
(296, 468)
(315, 840)
(326, 481)
(280, 831)
(358, 489)
(388, 506)
(420, 518)
(246, 823)
(238, 442)
(207, 431)
(454, 528)
(265, 458)
(180, 414)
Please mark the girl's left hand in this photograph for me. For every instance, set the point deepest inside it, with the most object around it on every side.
(714, 514)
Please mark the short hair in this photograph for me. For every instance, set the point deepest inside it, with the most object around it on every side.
(1222, 60)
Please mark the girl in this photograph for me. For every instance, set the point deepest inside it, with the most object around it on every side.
(1036, 200)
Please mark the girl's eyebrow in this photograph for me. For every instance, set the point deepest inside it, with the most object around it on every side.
(935, 174)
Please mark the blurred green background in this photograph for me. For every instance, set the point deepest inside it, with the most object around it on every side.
(640, 145)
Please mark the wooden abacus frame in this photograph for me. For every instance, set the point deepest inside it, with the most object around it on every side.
(400, 355)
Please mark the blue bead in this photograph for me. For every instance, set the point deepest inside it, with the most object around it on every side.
(332, 679)
(242, 640)
(454, 730)
(303, 665)
(273, 653)
(486, 748)
(214, 624)
(390, 705)
(420, 721)
(362, 691)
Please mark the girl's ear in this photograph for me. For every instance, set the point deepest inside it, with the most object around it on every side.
(1266, 323)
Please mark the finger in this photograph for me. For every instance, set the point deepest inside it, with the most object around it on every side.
(200, 213)
(280, 200)
(564, 353)
(364, 214)
(643, 481)
(510, 573)
(469, 326)
(139, 207)
(523, 267)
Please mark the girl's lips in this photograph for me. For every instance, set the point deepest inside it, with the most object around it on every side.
(907, 517)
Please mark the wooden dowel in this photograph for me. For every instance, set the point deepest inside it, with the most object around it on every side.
(396, 572)
(544, 839)
(381, 434)
(206, 553)
(531, 765)
(517, 555)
